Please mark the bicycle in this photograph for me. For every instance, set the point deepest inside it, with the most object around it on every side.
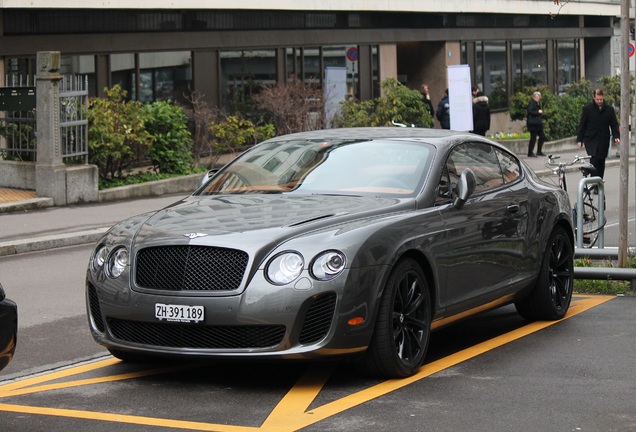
(591, 220)
(398, 124)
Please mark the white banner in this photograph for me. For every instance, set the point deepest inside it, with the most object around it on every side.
(335, 91)
(460, 98)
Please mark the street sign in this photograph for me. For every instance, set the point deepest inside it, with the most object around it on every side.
(631, 49)
(352, 54)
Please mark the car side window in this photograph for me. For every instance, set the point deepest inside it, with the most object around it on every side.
(482, 159)
(509, 166)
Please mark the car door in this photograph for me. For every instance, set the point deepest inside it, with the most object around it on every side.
(486, 235)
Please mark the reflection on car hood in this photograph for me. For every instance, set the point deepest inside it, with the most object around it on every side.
(226, 214)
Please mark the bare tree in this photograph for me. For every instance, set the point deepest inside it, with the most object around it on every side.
(561, 4)
(293, 106)
(200, 116)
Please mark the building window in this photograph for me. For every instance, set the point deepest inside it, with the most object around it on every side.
(162, 76)
(490, 74)
(243, 73)
(304, 64)
(534, 61)
(567, 63)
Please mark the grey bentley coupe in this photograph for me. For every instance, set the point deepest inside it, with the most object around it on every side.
(352, 242)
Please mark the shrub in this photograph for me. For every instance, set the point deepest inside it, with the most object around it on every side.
(171, 150)
(116, 133)
(235, 134)
(561, 114)
(399, 104)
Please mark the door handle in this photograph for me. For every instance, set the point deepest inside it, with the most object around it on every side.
(512, 208)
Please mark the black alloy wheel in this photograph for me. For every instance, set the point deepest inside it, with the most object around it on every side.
(402, 328)
(552, 294)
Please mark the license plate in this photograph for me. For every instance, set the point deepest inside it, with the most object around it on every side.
(179, 313)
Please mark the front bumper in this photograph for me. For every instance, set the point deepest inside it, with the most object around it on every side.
(306, 319)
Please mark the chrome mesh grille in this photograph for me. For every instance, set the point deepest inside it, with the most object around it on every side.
(190, 268)
(176, 335)
(318, 319)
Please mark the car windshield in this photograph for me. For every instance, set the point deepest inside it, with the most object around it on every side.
(378, 167)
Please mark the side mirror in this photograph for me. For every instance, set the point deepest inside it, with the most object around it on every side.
(207, 176)
(465, 187)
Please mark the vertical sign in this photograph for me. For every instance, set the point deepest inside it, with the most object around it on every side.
(335, 91)
(460, 98)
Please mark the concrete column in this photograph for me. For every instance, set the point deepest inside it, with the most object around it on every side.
(388, 61)
(102, 74)
(50, 172)
(365, 66)
(206, 76)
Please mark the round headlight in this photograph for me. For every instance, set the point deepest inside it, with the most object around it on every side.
(328, 265)
(284, 268)
(99, 258)
(117, 262)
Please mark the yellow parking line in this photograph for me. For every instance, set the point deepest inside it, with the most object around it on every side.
(122, 418)
(291, 412)
(320, 413)
(58, 386)
(6, 389)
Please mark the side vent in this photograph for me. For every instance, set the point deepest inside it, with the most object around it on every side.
(318, 319)
(96, 313)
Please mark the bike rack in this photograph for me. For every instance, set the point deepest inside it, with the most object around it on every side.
(601, 210)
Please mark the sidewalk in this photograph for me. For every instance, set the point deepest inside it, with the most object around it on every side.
(38, 226)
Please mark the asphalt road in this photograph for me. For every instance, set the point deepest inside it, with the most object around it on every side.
(495, 372)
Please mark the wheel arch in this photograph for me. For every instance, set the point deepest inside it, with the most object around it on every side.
(422, 260)
(569, 228)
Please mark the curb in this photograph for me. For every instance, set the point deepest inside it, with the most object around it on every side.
(26, 205)
(36, 244)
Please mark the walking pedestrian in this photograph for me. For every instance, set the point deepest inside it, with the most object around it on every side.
(426, 98)
(598, 121)
(535, 125)
(481, 112)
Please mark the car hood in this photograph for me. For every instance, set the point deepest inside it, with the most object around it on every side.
(265, 217)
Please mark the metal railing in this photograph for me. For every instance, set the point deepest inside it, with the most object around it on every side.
(603, 273)
(73, 102)
(18, 127)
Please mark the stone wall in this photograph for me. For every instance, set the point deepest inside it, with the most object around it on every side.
(17, 175)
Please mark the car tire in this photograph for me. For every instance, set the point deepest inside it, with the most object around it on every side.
(403, 324)
(551, 296)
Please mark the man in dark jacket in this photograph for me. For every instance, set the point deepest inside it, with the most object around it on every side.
(535, 124)
(597, 119)
(481, 112)
(443, 111)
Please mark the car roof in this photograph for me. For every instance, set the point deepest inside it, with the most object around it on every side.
(373, 133)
